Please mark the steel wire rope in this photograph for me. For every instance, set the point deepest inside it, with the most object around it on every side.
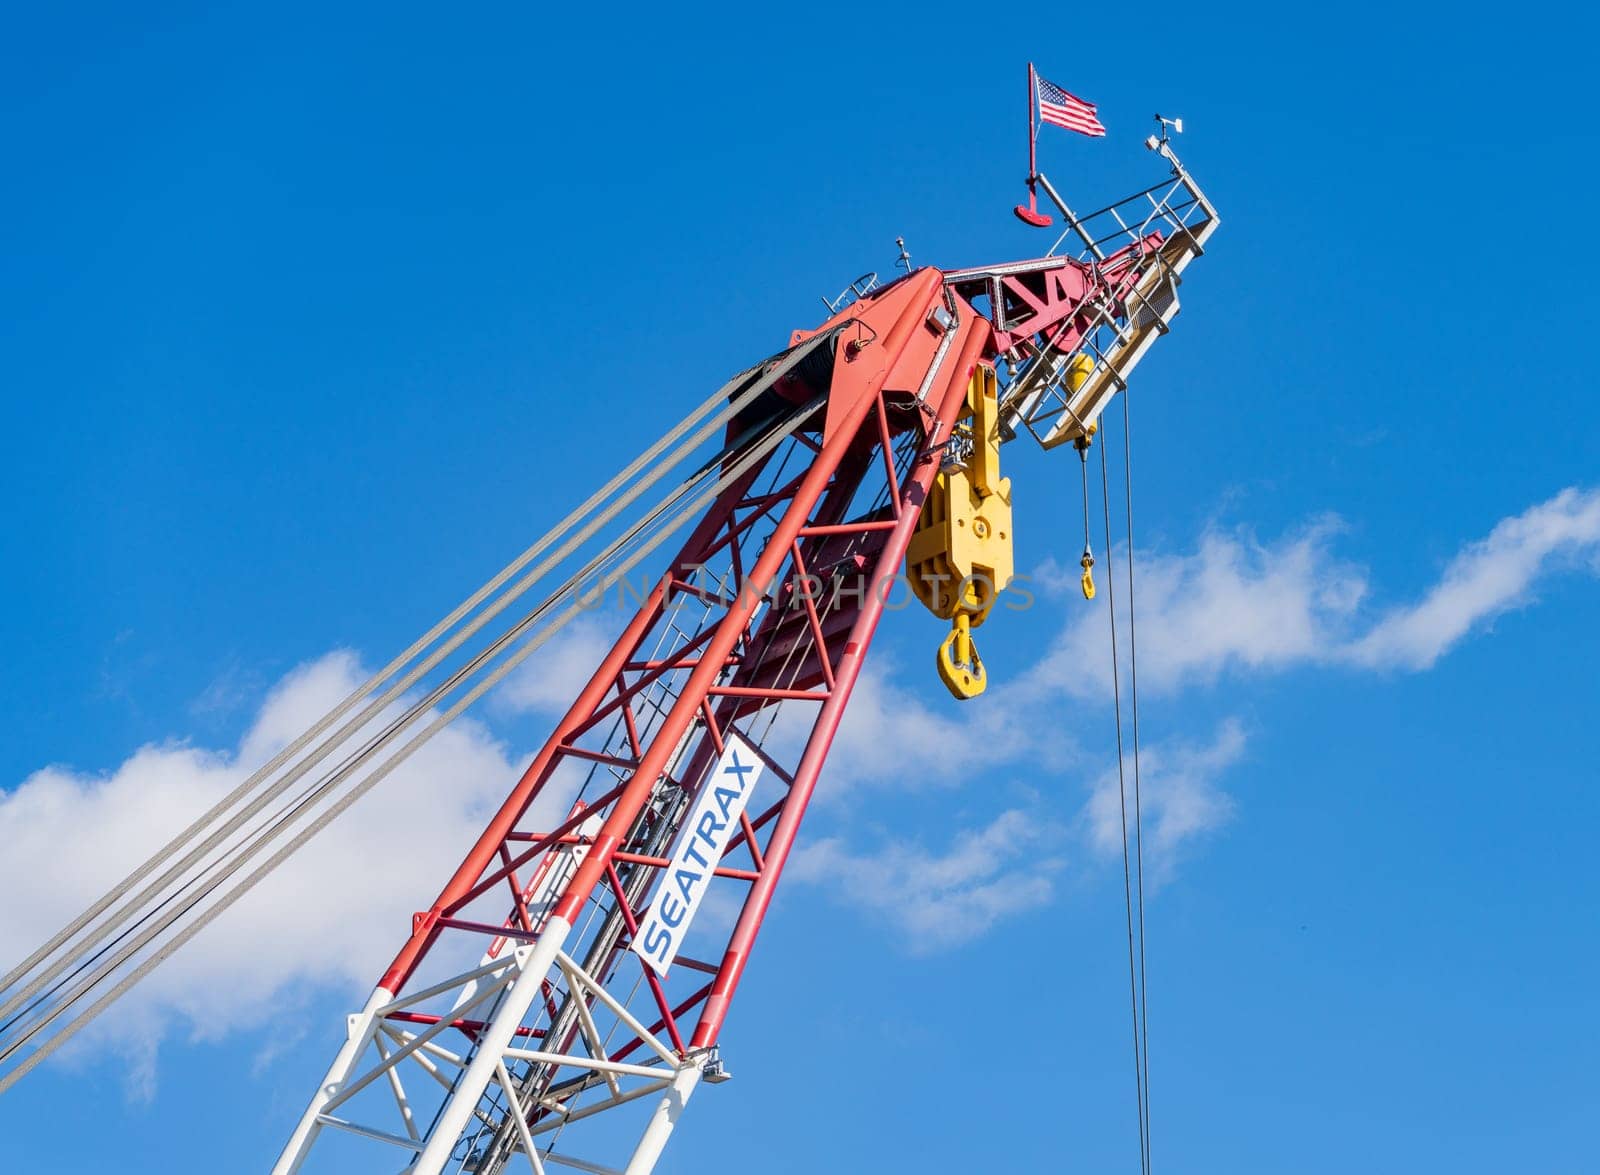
(643, 461)
(210, 914)
(281, 785)
(186, 933)
(1138, 804)
(646, 461)
(617, 726)
(352, 761)
(1122, 810)
(248, 847)
(574, 584)
(773, 480)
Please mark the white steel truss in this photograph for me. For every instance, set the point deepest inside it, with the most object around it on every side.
(494, 998)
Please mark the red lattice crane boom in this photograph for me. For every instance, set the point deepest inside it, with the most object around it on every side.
(566, 975)
(702, 733)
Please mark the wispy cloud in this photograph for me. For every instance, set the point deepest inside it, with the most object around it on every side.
(1181, 799)
(547, 682)
(1486, 579)
(1233, 603)
(1237, 605)
(235, 687)
(939, 897)
(893, 736)
(942, 897)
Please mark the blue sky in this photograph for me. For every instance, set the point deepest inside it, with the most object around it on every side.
(310, 319)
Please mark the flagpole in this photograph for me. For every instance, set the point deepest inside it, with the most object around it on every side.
(1029, 213)
(1033, 132)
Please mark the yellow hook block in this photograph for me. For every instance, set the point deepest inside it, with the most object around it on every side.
(1087, 563)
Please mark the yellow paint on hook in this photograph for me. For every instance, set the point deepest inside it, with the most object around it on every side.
(960, 667)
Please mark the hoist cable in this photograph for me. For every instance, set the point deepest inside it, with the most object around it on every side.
(648, 463)
(351, 763)
(356, 758)
(1083, 465)
(1138, 802)
(643, 462)
(730, 473)
(1122, 812)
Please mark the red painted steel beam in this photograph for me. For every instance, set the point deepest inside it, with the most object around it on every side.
(844, 414)
(952, 400)
(785, 628)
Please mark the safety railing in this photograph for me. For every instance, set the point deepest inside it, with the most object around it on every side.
(1149, 238)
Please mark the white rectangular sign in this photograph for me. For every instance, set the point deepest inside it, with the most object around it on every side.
(702, 839)
(539, 897)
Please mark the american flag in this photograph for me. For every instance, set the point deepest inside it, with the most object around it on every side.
(1060, 108)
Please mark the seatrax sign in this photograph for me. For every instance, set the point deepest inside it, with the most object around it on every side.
(702, 839)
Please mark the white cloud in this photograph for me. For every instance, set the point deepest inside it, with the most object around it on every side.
(941, 898)
(892, 736)
(1486, 579)
(329, 919)
(1233, 603)
(1179, 795)
(1236, 604)
(937, 898)
(548, 681)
